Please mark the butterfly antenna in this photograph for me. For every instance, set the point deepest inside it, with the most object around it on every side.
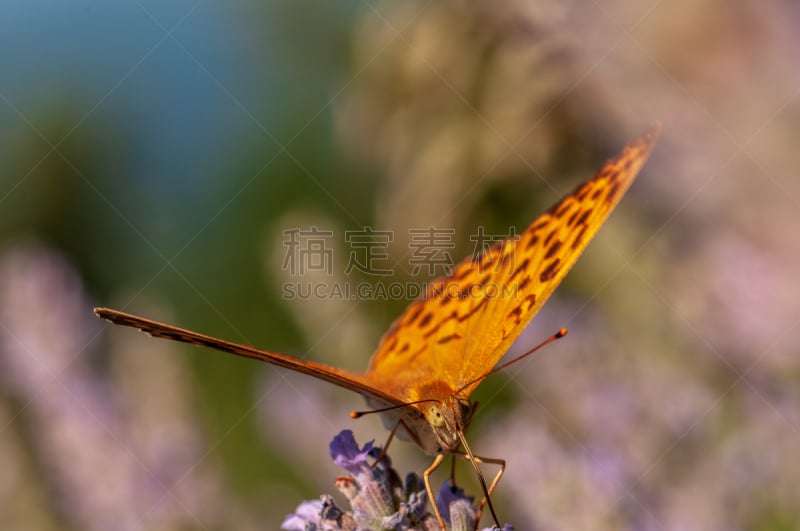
(359, 414)
(558, 335)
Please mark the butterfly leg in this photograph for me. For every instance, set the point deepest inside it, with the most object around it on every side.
(426, 476)
(499, 462)
(385, 448)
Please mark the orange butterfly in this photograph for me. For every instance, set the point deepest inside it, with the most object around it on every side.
(445, 343)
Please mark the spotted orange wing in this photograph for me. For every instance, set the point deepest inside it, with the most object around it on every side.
(465, 322)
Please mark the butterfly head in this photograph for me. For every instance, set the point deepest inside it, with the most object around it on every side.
(447, 418)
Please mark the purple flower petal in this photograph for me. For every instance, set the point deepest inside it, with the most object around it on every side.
(307, 512)
(462, 515)
(417, 504)
(345, 452)
(447, 495)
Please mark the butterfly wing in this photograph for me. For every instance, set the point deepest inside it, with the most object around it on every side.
(342, 378)
(465, 322)
(418, 428)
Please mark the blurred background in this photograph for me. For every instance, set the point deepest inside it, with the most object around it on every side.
(158, 155)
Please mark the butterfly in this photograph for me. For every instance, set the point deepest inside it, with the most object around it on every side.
(446, 342)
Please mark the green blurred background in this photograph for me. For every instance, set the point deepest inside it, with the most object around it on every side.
(155, 153)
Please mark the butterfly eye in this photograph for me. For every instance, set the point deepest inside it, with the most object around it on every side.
(465, 404)
(434, 417)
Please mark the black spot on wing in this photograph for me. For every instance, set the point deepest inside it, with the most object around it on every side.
(553, 250)
(426, 319)
(579, 237)
(612, 193)
(550, 271)
(572, 218)
(550, 236)
(585, 216)
(522, 267)
(448, 338)
(432, 331)
(473, 310)
(415, 313)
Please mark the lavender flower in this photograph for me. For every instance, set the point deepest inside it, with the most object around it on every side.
(377, 497)
(118, 447)
(453, 502)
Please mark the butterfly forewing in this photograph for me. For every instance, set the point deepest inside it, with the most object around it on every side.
(340, 377)
(465, 322)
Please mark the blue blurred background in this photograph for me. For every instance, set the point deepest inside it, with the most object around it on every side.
(155, 154)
